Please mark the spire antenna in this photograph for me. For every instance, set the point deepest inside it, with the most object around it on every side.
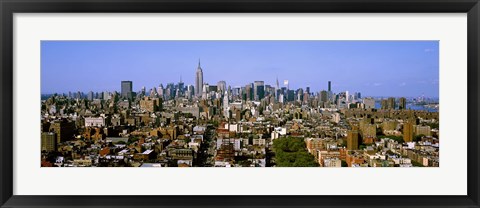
(198, 62)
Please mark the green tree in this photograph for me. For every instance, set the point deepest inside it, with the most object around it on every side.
(399, 139)
(291, 152)
(132, 140)
(418, 137)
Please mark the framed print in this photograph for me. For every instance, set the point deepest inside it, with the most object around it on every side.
(247, 104)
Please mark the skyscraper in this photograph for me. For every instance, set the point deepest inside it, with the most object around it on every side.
(408, 131)
(226, 107)
(299, 95)
(127, 89)
(170, 91)
(249, 92)
(384, 104)
(222, 86)
(323, 96)
(330, 94)
(352, 139)
(63, 129)
(277, 90)
(49, 141)
(347, 96)
(190, 91)
(391, 103)
(90, 96)
(258, 90)
(290, 95)
(160, 91)
(369, 103)
(402, 103)
(277, 85)
(198, 80)
(181, 86)
(106, 95)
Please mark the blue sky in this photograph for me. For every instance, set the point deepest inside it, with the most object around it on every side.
(374, 68)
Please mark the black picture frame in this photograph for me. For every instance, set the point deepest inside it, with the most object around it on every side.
(9, 7)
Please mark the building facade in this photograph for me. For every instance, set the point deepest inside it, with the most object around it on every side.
(352, 139)
(49, 141)
(198, 80)
(94, 121)
(127, 89)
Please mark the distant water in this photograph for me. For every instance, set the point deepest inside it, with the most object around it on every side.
(410, 106)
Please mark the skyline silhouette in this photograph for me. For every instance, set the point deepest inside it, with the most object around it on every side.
(374, 68)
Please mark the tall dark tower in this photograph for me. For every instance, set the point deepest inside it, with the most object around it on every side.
(329, 86)
(258, 90)
(127, 89)
(198, 80)
(402, 103)
(277, 90)
(181, 86)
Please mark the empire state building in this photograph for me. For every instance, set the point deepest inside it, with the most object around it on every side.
(198, 80)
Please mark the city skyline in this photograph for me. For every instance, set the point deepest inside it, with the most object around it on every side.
(419, 59)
